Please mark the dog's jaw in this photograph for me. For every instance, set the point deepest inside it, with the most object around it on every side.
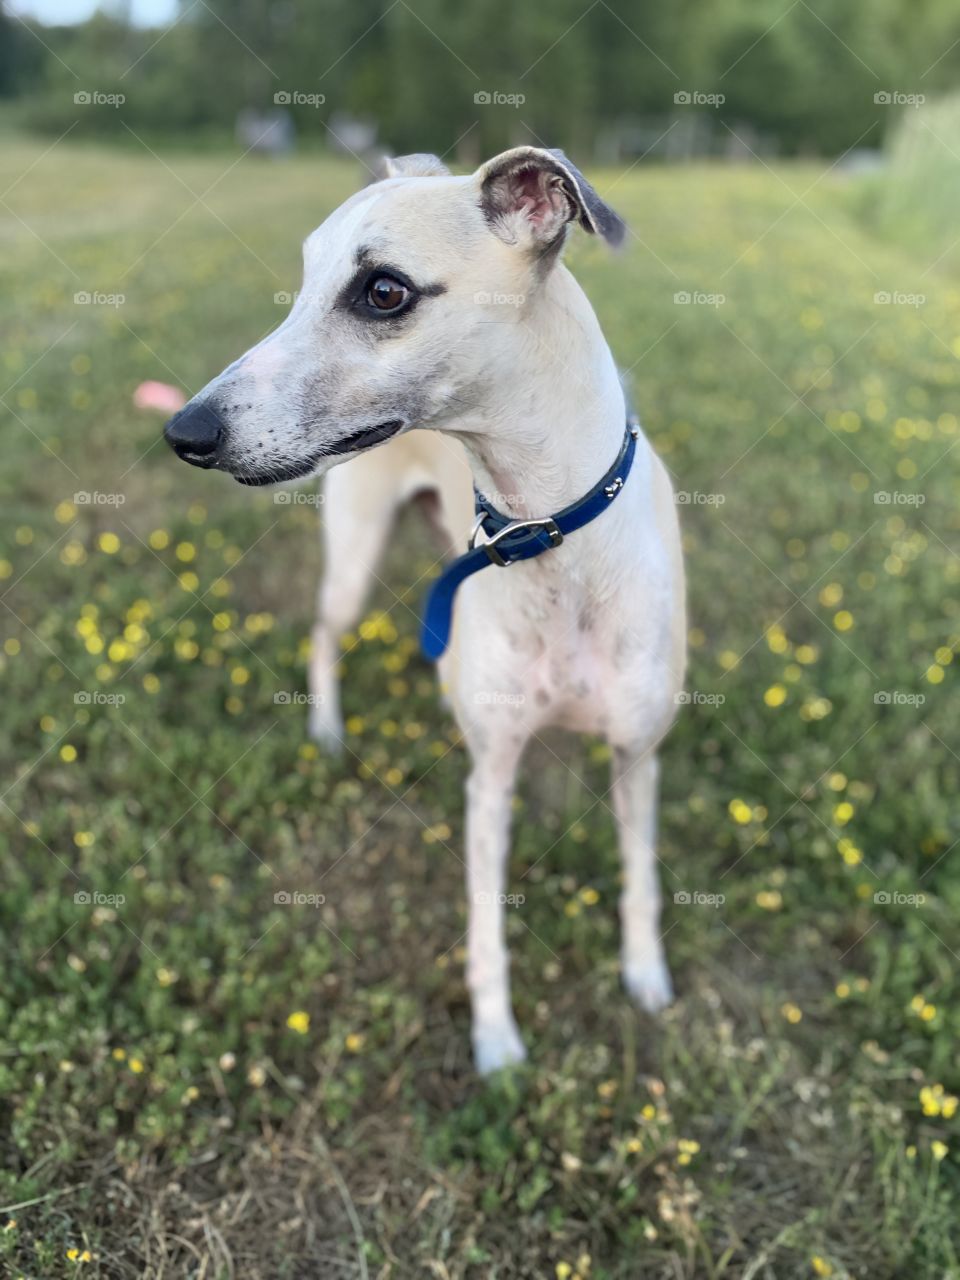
(357, 442)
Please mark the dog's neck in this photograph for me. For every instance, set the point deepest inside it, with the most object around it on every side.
(554, 421)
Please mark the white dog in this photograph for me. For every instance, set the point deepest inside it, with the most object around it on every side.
(440, 302)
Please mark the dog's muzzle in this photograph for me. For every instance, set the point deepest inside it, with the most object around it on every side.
(195, 434)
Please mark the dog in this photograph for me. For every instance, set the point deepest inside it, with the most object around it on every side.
(438, 340)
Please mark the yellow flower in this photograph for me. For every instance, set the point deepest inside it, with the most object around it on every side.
(769, 899)
(185, 551)
(821, 1266)
(354, 1042)
(939, 1149)
(257, 1077)
(843, 620)
(119, 1055)
(136, 1066)
(842, 813)
(791, 1012)
(68, 753)
(842, 990)
(739, 811)
(299, 1022)
(109, 542)
(589, 897)
(775, 696)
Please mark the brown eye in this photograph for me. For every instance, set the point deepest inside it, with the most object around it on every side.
(387, 294)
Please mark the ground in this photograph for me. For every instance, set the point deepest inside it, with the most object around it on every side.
(201, 1079)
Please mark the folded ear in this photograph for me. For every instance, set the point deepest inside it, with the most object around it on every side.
(420, 165)
(529, 195)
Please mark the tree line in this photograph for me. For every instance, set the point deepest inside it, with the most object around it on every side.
(813, 76)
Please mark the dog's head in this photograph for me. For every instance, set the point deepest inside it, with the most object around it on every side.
(392, 328)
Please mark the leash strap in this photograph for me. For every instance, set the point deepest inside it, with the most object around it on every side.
(497, 539)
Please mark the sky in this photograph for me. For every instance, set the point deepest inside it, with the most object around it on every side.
(150, 13)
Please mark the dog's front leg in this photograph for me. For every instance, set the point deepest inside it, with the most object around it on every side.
(496, 1040)
(645, 973)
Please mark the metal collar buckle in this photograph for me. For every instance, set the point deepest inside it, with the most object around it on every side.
(489, 542)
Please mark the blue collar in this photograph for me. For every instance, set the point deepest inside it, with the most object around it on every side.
(497, 539)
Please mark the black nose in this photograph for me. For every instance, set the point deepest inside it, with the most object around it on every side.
(195, 434)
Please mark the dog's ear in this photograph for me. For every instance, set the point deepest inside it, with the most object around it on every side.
(530, 194)
(420, 165)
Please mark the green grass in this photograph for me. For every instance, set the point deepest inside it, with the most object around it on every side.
(157, 1109)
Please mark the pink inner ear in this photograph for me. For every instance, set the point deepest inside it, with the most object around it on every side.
(538, 195)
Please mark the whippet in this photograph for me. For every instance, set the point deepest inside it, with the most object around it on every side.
(440, 302)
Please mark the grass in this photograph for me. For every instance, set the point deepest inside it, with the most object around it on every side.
(198, 1081)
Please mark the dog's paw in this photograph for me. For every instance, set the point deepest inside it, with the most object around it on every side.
(497, 1047)
(649, 984)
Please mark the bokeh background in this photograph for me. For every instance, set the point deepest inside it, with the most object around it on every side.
(233, 1023)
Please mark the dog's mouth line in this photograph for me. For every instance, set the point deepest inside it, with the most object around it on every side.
(365, 438)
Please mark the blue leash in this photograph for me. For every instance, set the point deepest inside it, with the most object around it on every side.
(497, 539)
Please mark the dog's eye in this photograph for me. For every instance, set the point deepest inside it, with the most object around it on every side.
(386, 294)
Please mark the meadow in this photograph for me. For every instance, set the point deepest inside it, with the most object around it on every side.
(200, 1079)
